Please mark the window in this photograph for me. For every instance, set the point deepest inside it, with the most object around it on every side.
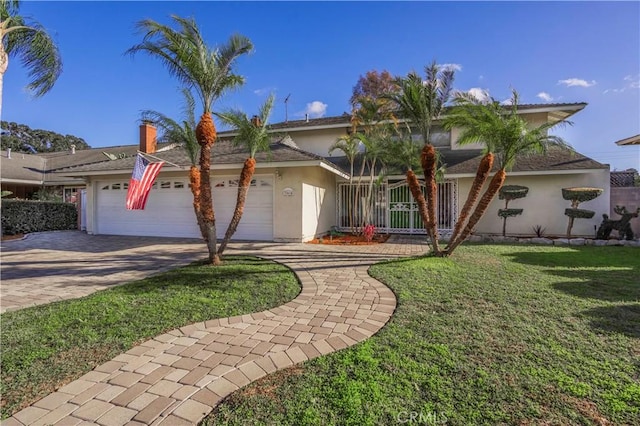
(178, 185)
(115, 186)
(105, 188)
(70, 195)
(155, 185)
(125, 185)
(165, 184)
(439, 137)
(233, 183)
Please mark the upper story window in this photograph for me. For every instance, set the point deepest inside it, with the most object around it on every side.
(440, 137)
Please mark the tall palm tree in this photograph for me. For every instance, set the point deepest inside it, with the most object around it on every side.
(475, 126)
(184, 134)
(350, 146)
(254, 135)
(510, 135)
(28, 41)
(421, 102)
(404, 153)
(208, 72)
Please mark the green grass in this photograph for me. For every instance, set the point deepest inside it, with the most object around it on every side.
(498, 334)
(46, 346)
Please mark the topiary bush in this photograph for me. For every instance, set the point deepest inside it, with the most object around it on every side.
(510, 193)
(577, 196)
(25, 216)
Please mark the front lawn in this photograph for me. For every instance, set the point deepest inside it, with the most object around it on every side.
(46, 346)
(498, 334)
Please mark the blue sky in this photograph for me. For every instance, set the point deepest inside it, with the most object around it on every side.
(315, 51)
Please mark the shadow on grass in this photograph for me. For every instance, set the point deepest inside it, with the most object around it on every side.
(623, 319)
(603, 273)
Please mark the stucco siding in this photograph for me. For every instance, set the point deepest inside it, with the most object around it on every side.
(304, 203)
(544, 205)
(319, 141)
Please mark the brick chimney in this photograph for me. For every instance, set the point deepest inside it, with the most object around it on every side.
(148, 135)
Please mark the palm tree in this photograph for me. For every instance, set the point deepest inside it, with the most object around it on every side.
(422, 101)
(254, 135)
(183, 134)
(209, 72)
(29, 42)
(404, 153)
(510, 135)
(350, 146)
(476, 127)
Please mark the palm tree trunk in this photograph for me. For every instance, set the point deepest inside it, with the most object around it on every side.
(369, 198)
(355, 198)
(4, 63)
(206, 136)
(482, 174)
(194, 180)
(248, 170)
(429, 162)
(494, 186)
(418, 196)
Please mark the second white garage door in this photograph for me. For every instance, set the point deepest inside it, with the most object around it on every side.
(169, 210)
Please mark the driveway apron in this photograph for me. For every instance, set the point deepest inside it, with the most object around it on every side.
(178, 377)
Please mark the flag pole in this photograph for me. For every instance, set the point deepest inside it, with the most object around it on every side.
(144, 154)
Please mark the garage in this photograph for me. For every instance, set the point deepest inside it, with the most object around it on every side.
(169, 209)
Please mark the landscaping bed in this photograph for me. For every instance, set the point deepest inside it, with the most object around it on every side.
(497, 334)
(350, 239)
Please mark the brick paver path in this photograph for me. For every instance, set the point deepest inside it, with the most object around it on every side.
(178, 377)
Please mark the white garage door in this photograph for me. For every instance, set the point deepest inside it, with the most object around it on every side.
(169, 209)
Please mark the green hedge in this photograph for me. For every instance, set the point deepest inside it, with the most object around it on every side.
(24, 216)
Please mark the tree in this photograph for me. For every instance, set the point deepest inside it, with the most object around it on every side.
(209, 72)
(254, 135)
(501, 129)
(374, 86)
(21, 138)
(422, 101)
(28, 41)
(183, 134)
(350, 146)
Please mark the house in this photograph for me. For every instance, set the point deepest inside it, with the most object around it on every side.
(624, 189)
(300, 191)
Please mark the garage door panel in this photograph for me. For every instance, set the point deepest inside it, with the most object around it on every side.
(169, 210)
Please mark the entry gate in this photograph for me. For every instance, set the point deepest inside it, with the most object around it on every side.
(395, 210)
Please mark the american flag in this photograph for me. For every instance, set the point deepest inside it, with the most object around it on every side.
(144, 174)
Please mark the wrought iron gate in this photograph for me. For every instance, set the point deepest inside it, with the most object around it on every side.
(392, 208)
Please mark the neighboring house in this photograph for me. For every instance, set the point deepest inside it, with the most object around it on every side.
(633, 140)
(624, 188)
(299, 190)
(25, 174)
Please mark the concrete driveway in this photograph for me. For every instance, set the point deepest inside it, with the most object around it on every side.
(50, 266)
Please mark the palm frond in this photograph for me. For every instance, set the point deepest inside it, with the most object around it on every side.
(33, 46)
(188, 58)
(253, 135)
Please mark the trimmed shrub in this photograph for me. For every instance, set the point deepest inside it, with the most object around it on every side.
(25, 216)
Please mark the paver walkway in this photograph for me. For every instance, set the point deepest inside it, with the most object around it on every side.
(178, 377)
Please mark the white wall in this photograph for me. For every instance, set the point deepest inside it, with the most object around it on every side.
(544, 204)
(310, 210)
(319, 141)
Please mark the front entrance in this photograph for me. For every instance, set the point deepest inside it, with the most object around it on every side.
(393, 209)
